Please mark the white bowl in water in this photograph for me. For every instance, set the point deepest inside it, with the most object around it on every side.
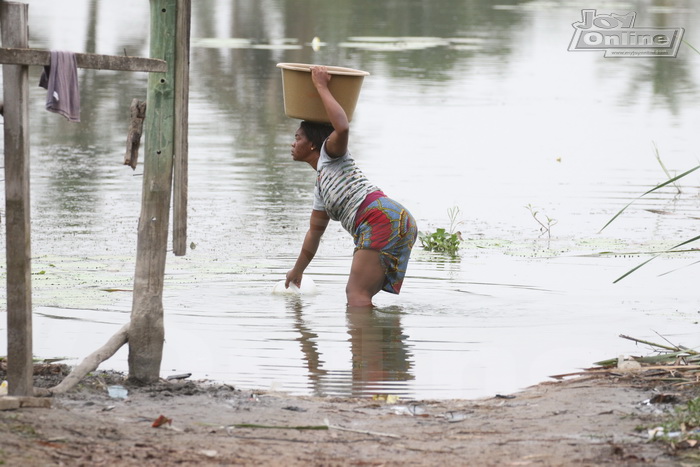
(308, 287)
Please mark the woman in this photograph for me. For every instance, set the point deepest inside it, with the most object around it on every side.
(384, 231)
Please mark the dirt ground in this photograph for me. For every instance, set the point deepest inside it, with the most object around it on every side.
(585, 421)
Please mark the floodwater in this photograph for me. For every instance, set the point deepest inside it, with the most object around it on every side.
(470, 104)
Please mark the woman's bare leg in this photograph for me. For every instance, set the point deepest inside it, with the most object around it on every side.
(366, 278)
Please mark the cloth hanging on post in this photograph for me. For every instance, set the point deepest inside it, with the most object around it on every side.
(60, 79)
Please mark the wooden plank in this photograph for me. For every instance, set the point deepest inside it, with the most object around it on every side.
(146, 334)
(25, 56)
(182, 84)
(20, 369)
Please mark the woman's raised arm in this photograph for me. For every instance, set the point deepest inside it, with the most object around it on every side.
(337, 143)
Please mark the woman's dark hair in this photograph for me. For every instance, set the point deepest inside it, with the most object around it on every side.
(316, 132)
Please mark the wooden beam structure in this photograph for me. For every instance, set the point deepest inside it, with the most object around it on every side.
(15, 33)
(24, 56)
(166, 139)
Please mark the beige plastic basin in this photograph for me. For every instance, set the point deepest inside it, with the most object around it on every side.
(301, 100)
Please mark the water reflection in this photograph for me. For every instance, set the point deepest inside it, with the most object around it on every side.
(308, 340)
(381, 359)
(381, 355)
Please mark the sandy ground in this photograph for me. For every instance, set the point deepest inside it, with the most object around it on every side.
(587, 420)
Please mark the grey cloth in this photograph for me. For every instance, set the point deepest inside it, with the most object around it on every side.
(60, 79)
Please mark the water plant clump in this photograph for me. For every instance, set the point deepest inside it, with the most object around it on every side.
(443, 240)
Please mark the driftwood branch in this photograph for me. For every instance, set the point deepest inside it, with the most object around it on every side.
(133, 138)
(90, 363)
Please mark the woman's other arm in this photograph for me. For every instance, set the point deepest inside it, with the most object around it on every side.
(317, 226)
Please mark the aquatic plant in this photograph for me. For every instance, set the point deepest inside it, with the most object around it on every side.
(663, 167)
(546, 226)
(673, 249)
(443, 240)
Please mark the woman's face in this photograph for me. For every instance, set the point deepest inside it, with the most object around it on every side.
(301, 147)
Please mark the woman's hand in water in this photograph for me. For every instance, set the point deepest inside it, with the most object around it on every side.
(293, 277)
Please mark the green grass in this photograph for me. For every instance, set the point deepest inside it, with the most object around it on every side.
(685, 422)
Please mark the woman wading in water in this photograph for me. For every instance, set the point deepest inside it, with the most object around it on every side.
(384, 231)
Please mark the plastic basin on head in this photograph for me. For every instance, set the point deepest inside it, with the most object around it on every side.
(301, 100)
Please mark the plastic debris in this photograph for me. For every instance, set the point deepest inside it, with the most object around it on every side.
(659, 432)
(415, 410)
(161, 420)
(117, 392)
(388, 398)
(180, 376)
(454, 417)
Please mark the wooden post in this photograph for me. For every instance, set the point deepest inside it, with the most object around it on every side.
(182, 84)
(146, 335)
(13, 19)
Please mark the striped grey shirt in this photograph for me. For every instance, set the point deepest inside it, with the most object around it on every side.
(341, 187)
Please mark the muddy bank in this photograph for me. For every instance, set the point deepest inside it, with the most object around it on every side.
(587, 420)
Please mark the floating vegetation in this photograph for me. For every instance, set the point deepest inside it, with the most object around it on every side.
(442, 240)
(466, 43)
(548, 5)
(242, 43)
(372, 43)
(404, 43)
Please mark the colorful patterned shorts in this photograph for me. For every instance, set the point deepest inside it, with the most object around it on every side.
(386, 226)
